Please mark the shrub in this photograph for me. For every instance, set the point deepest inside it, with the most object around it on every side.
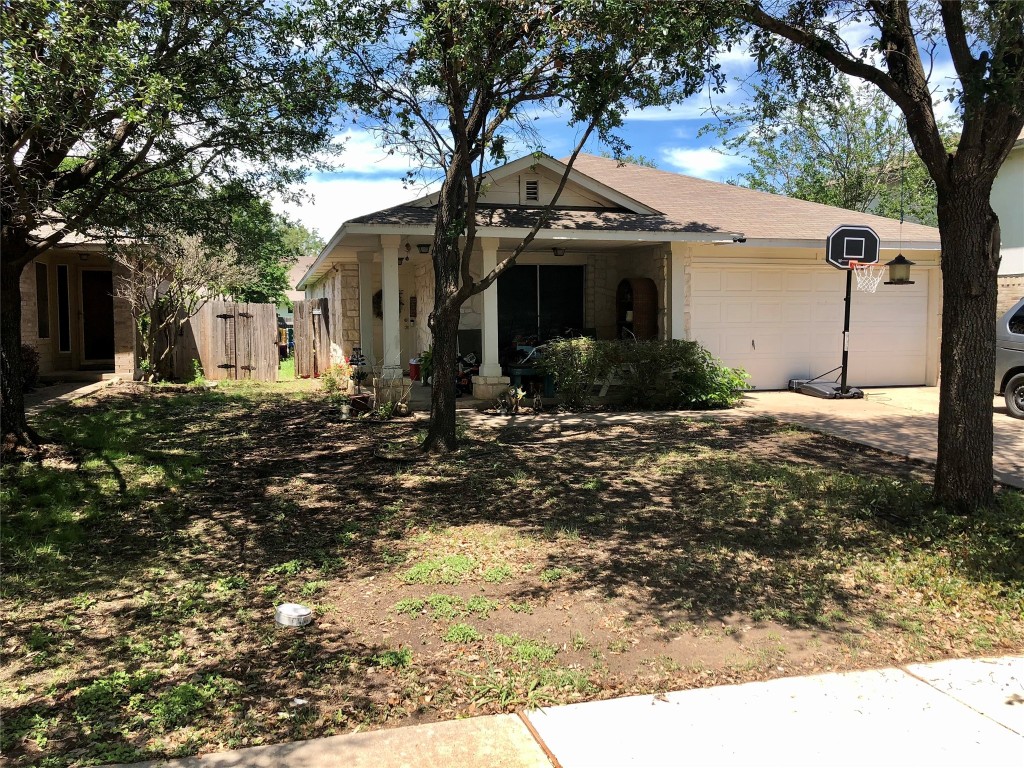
(677, 373)
(29, 367)
(335, 381)
(577, 365)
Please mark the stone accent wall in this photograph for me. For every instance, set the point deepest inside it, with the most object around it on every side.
(424, 281)
(1011, 289)
(345, 314)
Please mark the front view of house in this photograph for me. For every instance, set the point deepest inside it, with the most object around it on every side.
(634, 252)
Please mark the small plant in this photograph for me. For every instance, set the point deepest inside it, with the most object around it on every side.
(198, 376)
(335, 381)
(310, 588)
(290, 568)
(579, 642)
(409, 606)
(550, 575)
(481, 606)
(461, 633)
(442, 570)
(393, 659)
(497, 574)
(446, 607)
(520, 607)
(29, 367)
(526, 650)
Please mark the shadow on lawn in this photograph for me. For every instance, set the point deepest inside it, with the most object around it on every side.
(194, 512)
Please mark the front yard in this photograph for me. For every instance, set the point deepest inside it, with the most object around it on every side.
(534, 567)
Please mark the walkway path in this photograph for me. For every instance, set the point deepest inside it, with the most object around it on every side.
(965, 712)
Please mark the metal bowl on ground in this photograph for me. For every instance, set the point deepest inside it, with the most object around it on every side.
(293, 615)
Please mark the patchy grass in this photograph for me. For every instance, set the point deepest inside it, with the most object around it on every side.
(143, 562)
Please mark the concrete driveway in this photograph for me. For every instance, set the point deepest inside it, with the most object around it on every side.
(902, 420)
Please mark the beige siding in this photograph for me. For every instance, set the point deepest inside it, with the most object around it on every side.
(509, 191)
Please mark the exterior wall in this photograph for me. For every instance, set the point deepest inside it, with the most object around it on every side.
(507, 191)
(341, 289)
(1008, 203)
(51, 359)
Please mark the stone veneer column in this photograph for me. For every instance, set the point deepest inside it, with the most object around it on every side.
(489, 383)
(365, 259)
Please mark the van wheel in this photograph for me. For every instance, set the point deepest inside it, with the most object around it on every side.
(1015, 396)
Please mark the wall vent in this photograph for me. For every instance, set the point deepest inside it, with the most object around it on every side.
(531, 191)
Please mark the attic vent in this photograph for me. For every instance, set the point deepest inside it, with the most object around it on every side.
(531, 190)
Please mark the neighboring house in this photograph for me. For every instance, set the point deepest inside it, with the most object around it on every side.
(636, 250)
(1008, 203)
(69, 313)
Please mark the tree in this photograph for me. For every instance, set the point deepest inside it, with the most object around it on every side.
(165, 279)
(849, 150)
(801, 44)
(128, 105)
(628, 158)
(455, 83)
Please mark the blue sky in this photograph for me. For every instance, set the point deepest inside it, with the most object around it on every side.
(370, 180)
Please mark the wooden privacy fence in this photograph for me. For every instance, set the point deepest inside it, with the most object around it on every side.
(231, 341)
(312, 337)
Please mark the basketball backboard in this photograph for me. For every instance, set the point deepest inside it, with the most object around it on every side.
(851, 243)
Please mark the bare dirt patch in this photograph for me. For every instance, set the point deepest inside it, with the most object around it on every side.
(535, 566)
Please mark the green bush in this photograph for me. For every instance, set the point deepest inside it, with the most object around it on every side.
(677, 374)
(29, 368)
(652, 374)
(577, 365)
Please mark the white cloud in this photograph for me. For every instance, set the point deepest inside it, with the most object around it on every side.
(363, 155)
(337, 200)
(703, 162)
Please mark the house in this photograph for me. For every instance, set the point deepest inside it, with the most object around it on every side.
(70, 316)
(1008, 203)
(637, 251)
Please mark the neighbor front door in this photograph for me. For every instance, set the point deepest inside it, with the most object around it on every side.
(97, 316)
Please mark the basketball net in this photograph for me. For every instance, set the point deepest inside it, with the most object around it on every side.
(869, 276)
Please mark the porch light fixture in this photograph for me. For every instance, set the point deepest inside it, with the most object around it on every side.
(423, 247)
(559, 252)
(899, 271)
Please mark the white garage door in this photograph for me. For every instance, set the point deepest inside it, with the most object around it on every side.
(785, 323)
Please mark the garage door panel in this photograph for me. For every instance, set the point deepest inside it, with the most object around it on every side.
(795, 330)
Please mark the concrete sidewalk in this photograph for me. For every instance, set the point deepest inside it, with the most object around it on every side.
(965, 712)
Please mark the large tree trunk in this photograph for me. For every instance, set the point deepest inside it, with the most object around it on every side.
(18, 438)
(970, 263)
(441, 432)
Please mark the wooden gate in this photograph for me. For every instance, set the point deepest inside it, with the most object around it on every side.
(231, 341)
(312, 338)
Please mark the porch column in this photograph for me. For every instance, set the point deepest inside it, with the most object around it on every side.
(365, 259)
(489, 383)
(489, 365)
(392, 352)
(677, 292)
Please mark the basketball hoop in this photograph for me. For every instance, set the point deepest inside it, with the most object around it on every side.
(869, 276)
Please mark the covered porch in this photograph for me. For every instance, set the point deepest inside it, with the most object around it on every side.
(604, 286)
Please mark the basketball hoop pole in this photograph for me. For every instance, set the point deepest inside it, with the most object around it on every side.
(846, 330)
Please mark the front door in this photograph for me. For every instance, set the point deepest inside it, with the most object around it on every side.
(97, 315)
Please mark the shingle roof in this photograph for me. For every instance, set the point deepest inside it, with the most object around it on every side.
(724, 207)
(521, 217)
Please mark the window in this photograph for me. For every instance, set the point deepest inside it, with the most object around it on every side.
(63, 310)
(42, 301)
(1017, 321)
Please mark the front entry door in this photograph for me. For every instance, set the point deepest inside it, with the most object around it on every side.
(97, 315)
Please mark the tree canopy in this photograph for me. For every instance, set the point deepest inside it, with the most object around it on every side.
(115, 112)
(851, 151)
